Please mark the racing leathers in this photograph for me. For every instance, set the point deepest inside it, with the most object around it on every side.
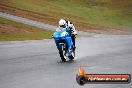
(72, 31)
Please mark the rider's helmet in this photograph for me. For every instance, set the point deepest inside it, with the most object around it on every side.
(62, 23)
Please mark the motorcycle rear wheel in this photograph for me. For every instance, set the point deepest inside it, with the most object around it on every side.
(72, 56)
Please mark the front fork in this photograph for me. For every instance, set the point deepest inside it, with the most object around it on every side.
(69, 46)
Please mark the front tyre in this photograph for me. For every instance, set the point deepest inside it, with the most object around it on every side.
(62, 53)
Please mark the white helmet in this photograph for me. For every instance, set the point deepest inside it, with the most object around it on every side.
(62, 23)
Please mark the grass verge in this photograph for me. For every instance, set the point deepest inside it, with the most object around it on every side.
(108, 13)
(10, 31)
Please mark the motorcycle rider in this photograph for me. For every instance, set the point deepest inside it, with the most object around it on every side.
(70, 28)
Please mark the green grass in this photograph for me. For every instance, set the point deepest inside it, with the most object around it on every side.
(100, 12)
(32, 33)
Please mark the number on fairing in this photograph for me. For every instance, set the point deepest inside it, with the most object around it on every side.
(64, 34)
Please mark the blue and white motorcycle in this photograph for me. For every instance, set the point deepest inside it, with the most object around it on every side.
(64, 44)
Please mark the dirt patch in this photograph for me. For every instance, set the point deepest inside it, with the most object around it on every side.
(120, 3)
(28, 14)
(54, 21)
(99, 29)
(4, 28)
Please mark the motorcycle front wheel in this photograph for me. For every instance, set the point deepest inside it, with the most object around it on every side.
(62, 53)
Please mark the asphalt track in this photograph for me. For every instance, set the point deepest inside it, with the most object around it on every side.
(36, 63)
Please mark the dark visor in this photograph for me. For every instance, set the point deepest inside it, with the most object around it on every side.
(63, 26)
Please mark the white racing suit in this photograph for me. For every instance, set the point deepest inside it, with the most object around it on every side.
(72, 31)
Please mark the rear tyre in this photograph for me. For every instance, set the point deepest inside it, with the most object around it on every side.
(62, 53)
(71, 57)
